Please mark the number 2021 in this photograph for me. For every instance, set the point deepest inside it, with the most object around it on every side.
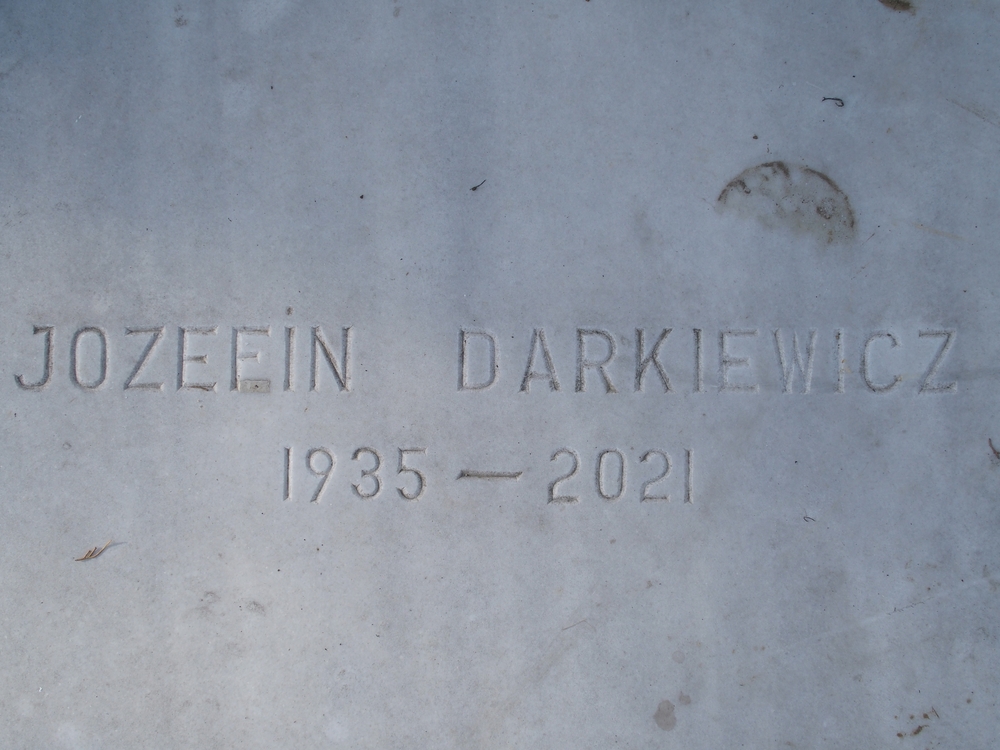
(609, 475)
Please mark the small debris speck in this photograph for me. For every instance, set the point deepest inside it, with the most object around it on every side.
(90, 554)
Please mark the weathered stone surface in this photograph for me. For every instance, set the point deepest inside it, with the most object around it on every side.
(433, 386)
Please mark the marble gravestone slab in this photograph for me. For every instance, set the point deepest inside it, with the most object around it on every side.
(499, 375)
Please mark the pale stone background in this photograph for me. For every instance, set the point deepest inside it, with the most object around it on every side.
(202, 164)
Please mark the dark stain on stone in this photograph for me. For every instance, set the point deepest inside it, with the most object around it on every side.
(208, 600)
(795, 197)
(903, 6)
(664, 716)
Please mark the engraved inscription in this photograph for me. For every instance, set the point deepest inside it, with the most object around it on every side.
(554, 497)
(421, 483)
(340, 370)
(288, 475)
(46, 360)
(610, 474)
(877, 387)
(289, 357)
(789, 364)
(800, 361)
(101, 373)
(538, 343)
(184, 359)
(610, 469)
(658, 362)
(199, 362)
(699, 363)
(927, 385)
(644, 360)
(321, 463)
(238, 383)
(689, 476)
(617, 482)
(477, 474)
(644, 492)
(155, 335)
(322, 472)
(369, 473)
(583, 363)
(487, 375)
(728, 362)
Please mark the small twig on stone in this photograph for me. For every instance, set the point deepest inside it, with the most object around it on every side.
(95, 552)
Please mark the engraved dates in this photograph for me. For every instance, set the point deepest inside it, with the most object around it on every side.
(320, 463)
(646, 476)
(611, 471)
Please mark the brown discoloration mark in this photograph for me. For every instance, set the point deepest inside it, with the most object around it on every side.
(684, 699)
(797, 197)
(664, 716)
(939, 233)
(903, 6)
(737, 183)
(926, 715)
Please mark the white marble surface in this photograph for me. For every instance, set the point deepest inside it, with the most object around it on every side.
(238, 167)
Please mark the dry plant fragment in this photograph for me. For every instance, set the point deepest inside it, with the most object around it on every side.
(92, 553)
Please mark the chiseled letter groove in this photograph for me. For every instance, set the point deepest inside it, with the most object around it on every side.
(341, 374)
(157, 334)
(46, 362)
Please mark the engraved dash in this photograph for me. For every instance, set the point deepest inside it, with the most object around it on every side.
(473, 474)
